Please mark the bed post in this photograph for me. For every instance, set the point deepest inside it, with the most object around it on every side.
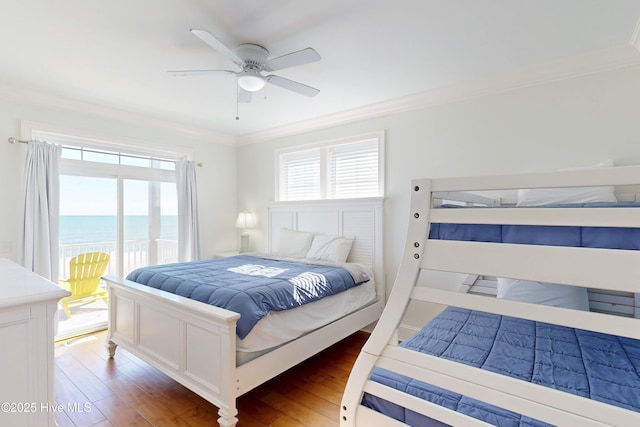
(111, 348)
(227, 417)
(109, 345)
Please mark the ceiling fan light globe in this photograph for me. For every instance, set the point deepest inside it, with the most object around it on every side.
(251, 82)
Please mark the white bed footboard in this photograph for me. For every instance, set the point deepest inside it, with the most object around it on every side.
(193, 343)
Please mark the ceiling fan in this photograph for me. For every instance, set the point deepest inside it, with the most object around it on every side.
(253, 61)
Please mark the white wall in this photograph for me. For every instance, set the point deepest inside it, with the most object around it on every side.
(567, 123)
(216, 179)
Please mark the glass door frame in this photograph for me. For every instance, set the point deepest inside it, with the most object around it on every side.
(120, 173)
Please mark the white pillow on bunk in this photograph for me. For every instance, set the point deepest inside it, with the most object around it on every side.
(547, 196)
(330, 248)
(293, 243)
(550, 293)
(544, 293)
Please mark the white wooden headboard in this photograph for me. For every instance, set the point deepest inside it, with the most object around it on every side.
(359, 218)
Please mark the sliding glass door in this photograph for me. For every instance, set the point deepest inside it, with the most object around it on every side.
(150, 224)
(88, 223)
(120, 204)
(88, 218)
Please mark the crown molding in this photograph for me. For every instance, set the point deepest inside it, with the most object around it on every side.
(31, 97)
(577, 66)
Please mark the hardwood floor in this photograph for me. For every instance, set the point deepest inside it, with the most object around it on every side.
(94, 390)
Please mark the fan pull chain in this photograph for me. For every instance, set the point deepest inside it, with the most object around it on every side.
(237, 102)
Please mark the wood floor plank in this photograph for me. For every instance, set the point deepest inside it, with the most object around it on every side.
(127, 391)
(63, 420)
(310, 400)
(172, 422)
(145, 378)
(103, 423)
(202, 416)
(102, 367)
(86, 381)
(177, 400)
(119, 413)
(298, 412)
(285, 421)
(150, 407)
(248, 421)
(68, 395)
(261, 412)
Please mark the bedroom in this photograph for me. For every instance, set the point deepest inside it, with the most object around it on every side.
(576, 112)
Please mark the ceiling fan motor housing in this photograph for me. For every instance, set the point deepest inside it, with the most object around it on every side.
(253, 55)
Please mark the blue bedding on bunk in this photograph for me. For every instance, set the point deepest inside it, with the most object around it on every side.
(589, 364)
(247, 284)
(587, 237)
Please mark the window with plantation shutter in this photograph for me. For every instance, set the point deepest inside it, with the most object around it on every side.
(346, 168)
(300, 175)
(353, 170)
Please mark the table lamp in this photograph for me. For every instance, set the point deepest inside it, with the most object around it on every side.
(246, 220)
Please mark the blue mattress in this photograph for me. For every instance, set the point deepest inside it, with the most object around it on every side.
(589, 364)
(249, 285)
(587, 237)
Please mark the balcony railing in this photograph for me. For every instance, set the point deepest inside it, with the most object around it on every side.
(137, 254)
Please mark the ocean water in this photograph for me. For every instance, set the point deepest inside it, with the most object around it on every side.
(103, 228)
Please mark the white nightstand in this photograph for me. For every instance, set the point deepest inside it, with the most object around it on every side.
(225, 254)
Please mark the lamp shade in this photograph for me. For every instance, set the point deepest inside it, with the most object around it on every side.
(246, 219)
(251, 80)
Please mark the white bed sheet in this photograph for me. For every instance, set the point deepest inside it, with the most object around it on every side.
(279, 327)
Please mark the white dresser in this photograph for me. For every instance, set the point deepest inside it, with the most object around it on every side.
(28, 304)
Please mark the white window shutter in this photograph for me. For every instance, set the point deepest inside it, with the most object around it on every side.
(353, 170)
(300, 175)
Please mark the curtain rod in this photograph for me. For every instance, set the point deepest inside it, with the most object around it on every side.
(13, 140)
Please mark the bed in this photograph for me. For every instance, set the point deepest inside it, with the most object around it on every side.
(200, 345)
(559, 346)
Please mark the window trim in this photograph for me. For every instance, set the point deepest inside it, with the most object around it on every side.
(324, 147)
(32, 130)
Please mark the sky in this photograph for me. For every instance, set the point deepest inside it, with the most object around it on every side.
(98, 196)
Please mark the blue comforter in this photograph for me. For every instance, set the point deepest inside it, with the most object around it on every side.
(249, 285)
(589, 364)
(586, 237)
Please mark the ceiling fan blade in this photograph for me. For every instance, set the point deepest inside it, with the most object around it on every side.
(292, 59)
(244, 95)
(181, 73)
(217, 45)
(293, 86)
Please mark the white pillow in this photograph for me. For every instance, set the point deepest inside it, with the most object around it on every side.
(293, 243)
(330, 248)
(550, 293)
(544, 293)
(547, 196)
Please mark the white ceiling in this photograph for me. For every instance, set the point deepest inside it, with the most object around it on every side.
(117, 53)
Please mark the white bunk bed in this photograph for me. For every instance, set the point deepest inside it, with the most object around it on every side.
(613, 272)
(195, 343)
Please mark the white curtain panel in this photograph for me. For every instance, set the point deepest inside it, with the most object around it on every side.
(41, 204)
(188, 223)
